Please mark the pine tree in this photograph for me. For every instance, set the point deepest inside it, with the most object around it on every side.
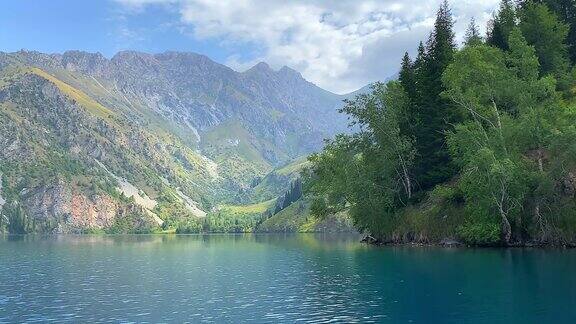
(436, 113)
(472, 36)
(501, 25)
(407, 79)
(543, 30)
(420, 58)
(407, 76)
(418, 98)
(565, 10)
(441, 45)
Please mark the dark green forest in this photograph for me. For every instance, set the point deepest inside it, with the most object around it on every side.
(474, 141)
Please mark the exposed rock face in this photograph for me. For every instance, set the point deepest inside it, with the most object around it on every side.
(98, 212)
(62, 208)
(90, 63)
(68, 210)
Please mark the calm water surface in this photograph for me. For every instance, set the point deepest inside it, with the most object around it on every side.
(276, 278)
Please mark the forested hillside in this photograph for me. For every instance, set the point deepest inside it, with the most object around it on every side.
(474, 142)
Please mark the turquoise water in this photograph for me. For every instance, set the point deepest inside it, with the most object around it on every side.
(275, 278)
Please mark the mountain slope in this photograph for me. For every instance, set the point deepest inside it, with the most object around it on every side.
(189, 95)
(143, 140)
(65, 156)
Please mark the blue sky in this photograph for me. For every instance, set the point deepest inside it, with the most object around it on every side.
(103, 26)
(341, 45)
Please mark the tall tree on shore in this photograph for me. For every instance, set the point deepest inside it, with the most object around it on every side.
(543, 30)
(406, 76)
(407, 79)
(418, 97)
(437, 114)
(565, 10)
(501, 25)
(472, 36)
(368, 173)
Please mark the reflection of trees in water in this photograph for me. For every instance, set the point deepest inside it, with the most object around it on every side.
(317, 241)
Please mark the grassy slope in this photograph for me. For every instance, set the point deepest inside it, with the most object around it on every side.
(158, 132)
(297, 218)
(257, 208)
(278, 180)
(236, 152)
(76, 95)
(294, 167)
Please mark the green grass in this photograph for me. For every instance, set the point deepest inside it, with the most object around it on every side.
(256, 208)
(232, 136)
(77, 95)
(294, 167)
(297, 218)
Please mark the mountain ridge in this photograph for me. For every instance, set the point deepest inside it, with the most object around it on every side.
(180, 131)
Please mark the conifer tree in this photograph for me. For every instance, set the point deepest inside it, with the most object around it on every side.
(407, 79)
(436, 113)
(417, 98)
(407, 76)
(472, 36)
(420, 58)
(501, 25)
(565, 10)
(543, 30)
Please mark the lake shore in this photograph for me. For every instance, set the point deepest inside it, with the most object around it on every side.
(452, 243)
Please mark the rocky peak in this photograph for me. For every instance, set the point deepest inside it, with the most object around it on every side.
(187, 62)
(289, 72)
(35, 58)
(134, 58)
(260, 68)
(85, 62)
(175, 56)
(263, 72)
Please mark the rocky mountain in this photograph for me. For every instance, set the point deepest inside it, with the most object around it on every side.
(140, 140)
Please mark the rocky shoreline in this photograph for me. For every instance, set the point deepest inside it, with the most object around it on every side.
(453, 243)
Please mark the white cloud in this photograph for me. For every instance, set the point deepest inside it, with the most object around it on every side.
(339, 45)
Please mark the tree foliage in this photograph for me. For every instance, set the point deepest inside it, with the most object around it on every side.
(501, 25)
(488, 124)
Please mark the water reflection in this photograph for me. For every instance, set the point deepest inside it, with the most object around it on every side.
(276, 278)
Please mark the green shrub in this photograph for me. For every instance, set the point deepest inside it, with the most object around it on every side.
(479, 233)
(189, 226)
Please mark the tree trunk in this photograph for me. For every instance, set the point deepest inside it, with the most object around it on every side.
(499, 126)
(408, 184)
(506, 229)
(540, 161)
(505, 224)
(407, 181)
(537, 214)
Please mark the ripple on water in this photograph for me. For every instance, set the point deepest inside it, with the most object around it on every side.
(244, 279)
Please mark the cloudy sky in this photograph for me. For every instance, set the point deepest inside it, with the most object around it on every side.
(341, 45)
